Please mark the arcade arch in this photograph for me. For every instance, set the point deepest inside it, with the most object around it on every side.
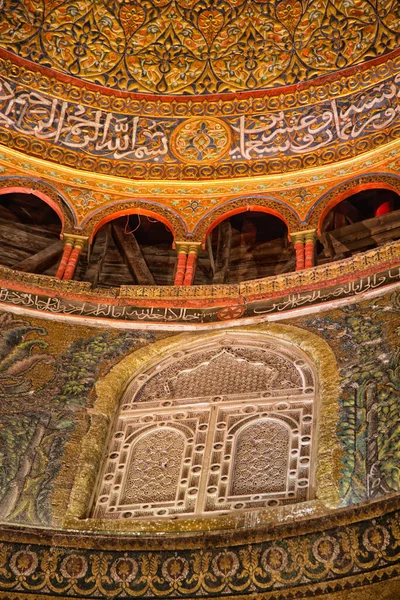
(357, 222)
(30, 230)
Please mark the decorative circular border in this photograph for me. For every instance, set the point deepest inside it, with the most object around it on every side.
(195, 122)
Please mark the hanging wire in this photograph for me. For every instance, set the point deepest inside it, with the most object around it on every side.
(157, 221)
(127, 223)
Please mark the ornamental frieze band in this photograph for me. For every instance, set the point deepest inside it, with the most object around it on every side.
(67, 566)
(145, 147)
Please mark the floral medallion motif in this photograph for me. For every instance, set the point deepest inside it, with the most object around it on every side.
(24, 562)
(274, 559)
(201, 140)
(124, 569)
(326, 549)
(74, 566)
(225, 564)
(376, 538)
(175, 569)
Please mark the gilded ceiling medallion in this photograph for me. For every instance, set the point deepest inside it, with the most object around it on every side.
(201, 140)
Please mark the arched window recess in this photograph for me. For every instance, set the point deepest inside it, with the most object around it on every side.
(223, 425)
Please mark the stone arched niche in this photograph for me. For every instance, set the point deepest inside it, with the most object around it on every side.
(224, 424)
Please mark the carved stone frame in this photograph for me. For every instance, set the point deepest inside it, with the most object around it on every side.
(111, 388)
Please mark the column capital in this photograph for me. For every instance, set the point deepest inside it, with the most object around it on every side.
(182, 247)
(75, 240)
(296, 237)
(307, 235)
(194, 248)
(310, 235)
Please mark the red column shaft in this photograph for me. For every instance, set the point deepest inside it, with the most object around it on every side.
(180, 268)
(64, 260)
(190, 268)
(299, 249)
(309, 251)
(73, 260)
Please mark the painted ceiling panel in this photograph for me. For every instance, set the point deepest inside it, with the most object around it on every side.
(174, 47)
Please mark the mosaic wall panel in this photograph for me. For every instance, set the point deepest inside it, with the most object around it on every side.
(365, 338)
(182, 47)
(48, 372)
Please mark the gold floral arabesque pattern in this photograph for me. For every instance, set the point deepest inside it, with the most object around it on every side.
(189, 47)
(327, 560)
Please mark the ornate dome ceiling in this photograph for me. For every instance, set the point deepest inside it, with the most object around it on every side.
(190, 112)
(199, 47)
(184, 90)
(211, 167)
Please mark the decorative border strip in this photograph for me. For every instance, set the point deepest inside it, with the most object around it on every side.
(160, 147)
(66, 87)
(365, 549)
(194, 305)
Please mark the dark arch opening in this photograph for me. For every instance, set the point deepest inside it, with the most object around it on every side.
(29, 234)
(130, 250)
(245, 246)
(362, 221)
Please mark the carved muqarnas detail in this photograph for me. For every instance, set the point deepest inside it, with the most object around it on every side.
(221, 426)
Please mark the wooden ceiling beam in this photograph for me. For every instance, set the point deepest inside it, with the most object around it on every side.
(223, 256)
(42, 260)
(132, 254)
(97, 255)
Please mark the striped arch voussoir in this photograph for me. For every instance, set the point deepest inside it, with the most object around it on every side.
(96, 220)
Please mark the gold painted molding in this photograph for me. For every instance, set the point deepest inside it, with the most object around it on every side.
(110, 389)
(200, 189)
(382, 590)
